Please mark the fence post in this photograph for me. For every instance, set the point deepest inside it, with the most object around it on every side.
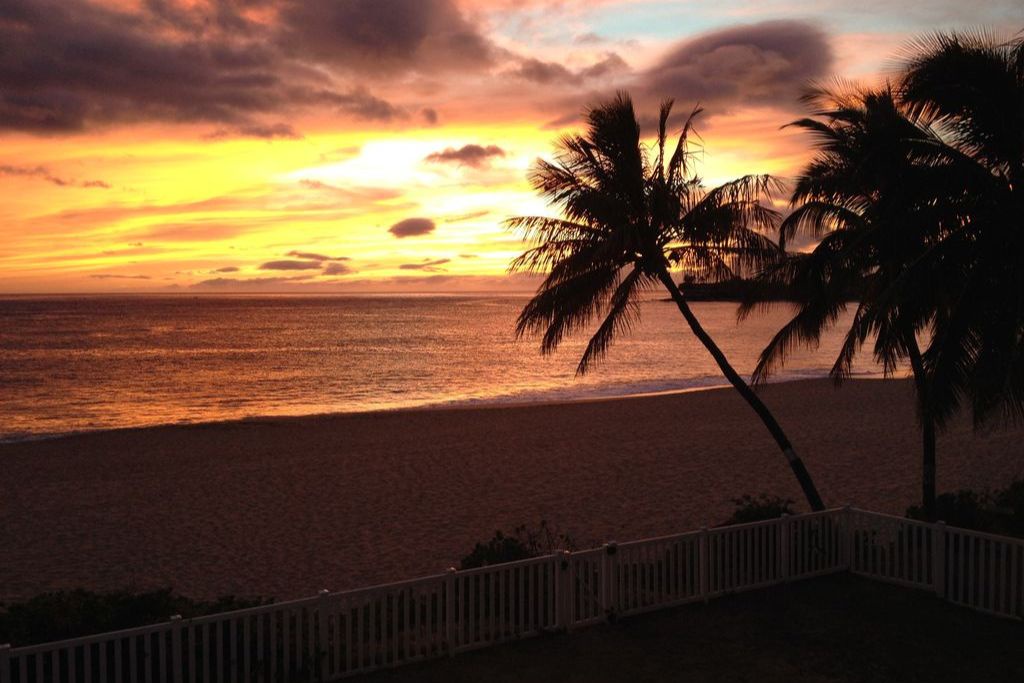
(704, 564)
(847, 528)
(609, 572)
(176, 663)
(939, 558)
(449, 611)
(5, 663)
(784, 547)
(322, 641)
(563, 603)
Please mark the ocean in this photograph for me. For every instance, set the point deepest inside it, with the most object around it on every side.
(83, 363)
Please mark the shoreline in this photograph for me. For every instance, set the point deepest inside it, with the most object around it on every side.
(508, 401)
(285, 506)
(454, 404)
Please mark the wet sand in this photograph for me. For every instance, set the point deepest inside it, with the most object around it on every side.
(283, 507)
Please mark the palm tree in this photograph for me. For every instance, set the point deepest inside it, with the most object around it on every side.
(972, 86)
(919, 192)
(872, 208)
(627, 220)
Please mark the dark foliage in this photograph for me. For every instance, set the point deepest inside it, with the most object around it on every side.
(915, 188)
(523, 544)
(997, 512)
(71, 614)
(758, 509)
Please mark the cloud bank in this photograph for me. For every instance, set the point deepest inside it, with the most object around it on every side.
(70, 65)
(768, 63)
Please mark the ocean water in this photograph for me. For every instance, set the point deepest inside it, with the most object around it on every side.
(70, 364)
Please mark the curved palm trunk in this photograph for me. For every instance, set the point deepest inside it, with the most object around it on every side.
(927, 429)
(795, 463)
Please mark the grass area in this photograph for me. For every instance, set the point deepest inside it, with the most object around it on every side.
(838, 629)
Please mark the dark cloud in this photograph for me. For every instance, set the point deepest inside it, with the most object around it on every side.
(359, 103)
(543, 72)
(427, 265)
(290, 265)
(227, 269)
(337, 268)
(243, 283)
(115, 276)
(199, 17)
(313, 256)
(611, 64)
(44, 174)
(371, 36)
(475, 156)
(270, 131)
(67, 65)
(70, 63)
(538, 71)
(411, 227)
(768, 63)
(429, 115)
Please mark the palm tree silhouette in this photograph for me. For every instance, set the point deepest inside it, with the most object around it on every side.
(916, 194)
(973, 88)
(872, 208)
(626, 221)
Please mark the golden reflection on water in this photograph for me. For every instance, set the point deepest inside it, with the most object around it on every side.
(71, 364)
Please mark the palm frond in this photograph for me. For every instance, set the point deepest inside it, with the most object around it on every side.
(677, 165)
(565, 307)
(540, 229)
(623, 312)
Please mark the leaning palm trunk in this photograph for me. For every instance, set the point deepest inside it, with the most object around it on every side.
(752, 399)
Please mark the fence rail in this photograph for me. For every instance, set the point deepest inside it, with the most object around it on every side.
(334, 635)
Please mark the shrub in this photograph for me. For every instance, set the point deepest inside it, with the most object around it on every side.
(75, 613)
(761, 508)
(1010, 507)
(523, 544)
(998, 512)
(963, 508)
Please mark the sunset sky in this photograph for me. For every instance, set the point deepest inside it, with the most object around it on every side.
(372, 145)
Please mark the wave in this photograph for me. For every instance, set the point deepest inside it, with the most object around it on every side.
(626, 389)
(522, 397)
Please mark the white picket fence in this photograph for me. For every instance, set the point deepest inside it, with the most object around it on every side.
(334, 635)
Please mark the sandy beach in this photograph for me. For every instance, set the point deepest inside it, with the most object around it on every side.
(283, 507)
